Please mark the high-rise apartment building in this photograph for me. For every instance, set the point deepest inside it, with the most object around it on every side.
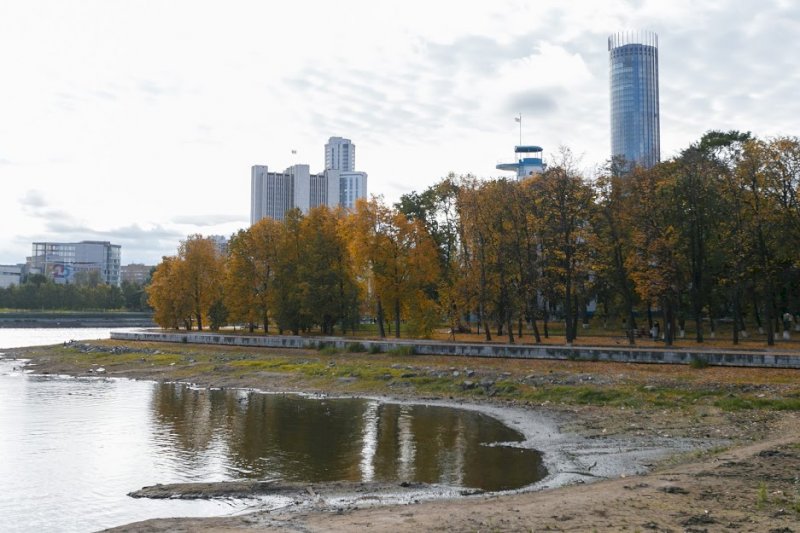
(340, 154)
(272, 194)
(633, 73)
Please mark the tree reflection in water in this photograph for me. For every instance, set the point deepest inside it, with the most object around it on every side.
(294, 438)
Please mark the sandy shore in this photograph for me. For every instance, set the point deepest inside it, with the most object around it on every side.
(729, 470)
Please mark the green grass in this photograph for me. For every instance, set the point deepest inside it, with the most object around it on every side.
(762, 498)
(402, 349)
(382, 374)
(698, 362)
(356, 347)
(769, 404)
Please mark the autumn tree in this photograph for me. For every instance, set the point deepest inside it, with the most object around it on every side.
(327, 287)
(565, 198)
(655, 261)
(611, 241)
(289, 312)
(168, 296)
(249, 281)
(201, 271)
(397, 259)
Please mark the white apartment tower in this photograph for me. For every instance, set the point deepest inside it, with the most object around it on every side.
(272, 194)
(340, 154)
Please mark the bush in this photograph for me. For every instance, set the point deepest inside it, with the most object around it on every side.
(375, 348)
(698, 362)
(403, 349)
(327, 349)
(356, 347)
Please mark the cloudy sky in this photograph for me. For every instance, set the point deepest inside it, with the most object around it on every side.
(138, 121)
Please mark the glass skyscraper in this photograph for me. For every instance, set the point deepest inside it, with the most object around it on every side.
(633, 65)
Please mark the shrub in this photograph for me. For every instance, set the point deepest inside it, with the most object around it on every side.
(403, 349)
(698, 362)
(762, 498)
(375, 348)
(356, 347)
(328, 350)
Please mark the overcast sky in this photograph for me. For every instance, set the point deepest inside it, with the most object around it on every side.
(137, 121)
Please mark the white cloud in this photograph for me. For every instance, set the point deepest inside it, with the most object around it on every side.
(140, 115)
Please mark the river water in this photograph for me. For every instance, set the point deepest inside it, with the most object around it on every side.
(72, 448)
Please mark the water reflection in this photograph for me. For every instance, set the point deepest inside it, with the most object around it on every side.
(264, 436)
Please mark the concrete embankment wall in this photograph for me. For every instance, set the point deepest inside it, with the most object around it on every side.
(516, 351)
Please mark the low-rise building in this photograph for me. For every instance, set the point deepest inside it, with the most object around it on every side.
(62, 261)
(136, 273)
(10, 275)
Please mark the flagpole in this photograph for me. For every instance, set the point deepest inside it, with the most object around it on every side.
(520, 129)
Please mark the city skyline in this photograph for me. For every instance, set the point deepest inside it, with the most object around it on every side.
(111, 135)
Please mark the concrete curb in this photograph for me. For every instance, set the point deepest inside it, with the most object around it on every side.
(513, 351)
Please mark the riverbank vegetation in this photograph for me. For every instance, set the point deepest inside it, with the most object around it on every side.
(710, 236)
(534, 382)
(39, 293)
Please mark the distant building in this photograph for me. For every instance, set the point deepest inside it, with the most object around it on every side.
(61, 261)
(220, 243)
(272, 194)
(340, 154)
(136, 273)
(635, 117)
(528, 162)
(352, 186)
(10, 275)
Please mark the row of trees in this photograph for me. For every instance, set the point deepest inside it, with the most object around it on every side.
(37, 292)
(711, 233)
(319, 270)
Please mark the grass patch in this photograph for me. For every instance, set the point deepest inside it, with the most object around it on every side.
(327, 349)
(356, 347)
(403, 349)
(770, 404)
(762, 498)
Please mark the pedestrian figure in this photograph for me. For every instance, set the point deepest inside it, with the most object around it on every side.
(655, 331)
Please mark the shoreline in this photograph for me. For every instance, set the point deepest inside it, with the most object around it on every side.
(669, 496)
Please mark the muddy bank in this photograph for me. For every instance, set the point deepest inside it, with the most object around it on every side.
(253, 489)
(737, 474)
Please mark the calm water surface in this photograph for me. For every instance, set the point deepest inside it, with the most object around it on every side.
(71, 449)
(20, 337)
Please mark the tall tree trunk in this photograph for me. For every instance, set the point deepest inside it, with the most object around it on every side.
(632, 326)
(397, 318)
(545, 320)
(381, 330)
(737, 318)
(509, 326)
(669, 322)
(768, 305)
(487, 332)
(266, 322)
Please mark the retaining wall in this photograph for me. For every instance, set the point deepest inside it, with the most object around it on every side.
(516, 351)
